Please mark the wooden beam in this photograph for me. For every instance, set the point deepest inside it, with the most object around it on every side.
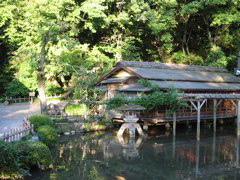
(234, 103)
(238, 117)
(194, 105)
(197, 159)
(219, 102)
(237, 151)
(174, 123)
(214, 115)
(198, 119)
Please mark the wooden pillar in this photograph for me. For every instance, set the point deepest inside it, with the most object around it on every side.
(198, 109)
(198, 120)
(238, 117)
(197, 158)
(214, 115)
(237, 151)
(174, 123)
(173, 147)
(214, 148)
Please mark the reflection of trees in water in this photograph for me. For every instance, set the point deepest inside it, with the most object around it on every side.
(103, 155)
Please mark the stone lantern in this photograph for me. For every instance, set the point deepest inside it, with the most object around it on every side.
(130, 120)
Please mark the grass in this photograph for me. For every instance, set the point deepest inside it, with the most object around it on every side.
(75, 109)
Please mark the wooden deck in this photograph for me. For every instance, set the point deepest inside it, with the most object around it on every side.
(163, 117)
(186, 116)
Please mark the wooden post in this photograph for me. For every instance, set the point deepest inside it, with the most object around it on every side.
(174, 123)
(214, 115)
(173, 147)
(238, 117)
(198, 120)
(197, 158)
(237, 151)
(214, 148)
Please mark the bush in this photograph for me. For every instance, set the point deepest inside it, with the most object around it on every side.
(33, 154)
(40, 120)
(47, 134)
(75, 109)
(9, 161)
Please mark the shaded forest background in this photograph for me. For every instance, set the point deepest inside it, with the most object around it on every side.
(70, 44)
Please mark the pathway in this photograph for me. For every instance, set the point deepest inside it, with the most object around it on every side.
(11, 116)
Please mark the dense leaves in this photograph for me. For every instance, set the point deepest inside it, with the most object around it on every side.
(47, 134)
(151, 101)
(84, 39)
(39, 120)
(17, 158)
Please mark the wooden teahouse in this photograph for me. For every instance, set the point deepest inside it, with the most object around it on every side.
(210, 91)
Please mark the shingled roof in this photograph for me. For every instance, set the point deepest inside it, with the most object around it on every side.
(157, 65)
(180, 76)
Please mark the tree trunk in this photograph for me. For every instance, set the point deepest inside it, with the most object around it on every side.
(41, 75)
(85, 111)
(41, 90)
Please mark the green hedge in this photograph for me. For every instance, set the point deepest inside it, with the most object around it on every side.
(33, 153)
(47, 134)
(17, 158)
(39, 120)
(9, 161)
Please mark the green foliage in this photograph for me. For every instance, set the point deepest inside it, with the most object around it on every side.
(16, 88)
(39, 120)
(152, 101)
(117, 101)
(94, 174)
(182, 58)
(9, 159)
(216, 57)
(17, 158)
(87, 38)
(33, 154)
(53, 90)
(47, 134)
(75, 109)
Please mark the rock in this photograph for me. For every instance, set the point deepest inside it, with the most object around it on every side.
(6, 103)
(67, 133)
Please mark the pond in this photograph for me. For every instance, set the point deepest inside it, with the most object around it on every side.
(159, 155)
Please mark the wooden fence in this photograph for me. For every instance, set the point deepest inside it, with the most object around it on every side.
(19, 132)
(19, 99)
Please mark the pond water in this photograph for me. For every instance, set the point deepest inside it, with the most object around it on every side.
(159, 155)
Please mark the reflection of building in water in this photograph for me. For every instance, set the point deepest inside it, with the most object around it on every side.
(206, 158)
(130, 147)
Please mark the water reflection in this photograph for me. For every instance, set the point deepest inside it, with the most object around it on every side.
(105, 156)
(130, 146)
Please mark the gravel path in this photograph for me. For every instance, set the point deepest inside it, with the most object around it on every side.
(11, 116)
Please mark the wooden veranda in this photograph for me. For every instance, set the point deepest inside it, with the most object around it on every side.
(198, 100)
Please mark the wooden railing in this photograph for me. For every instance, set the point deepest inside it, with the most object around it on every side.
(18, 99)
(187, 115)
(19, 132)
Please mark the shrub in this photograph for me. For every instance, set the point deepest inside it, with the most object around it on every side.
(75, 109)
(40, 154)
(47, 134)
(40, 120)
(9, 160)
(33, 154)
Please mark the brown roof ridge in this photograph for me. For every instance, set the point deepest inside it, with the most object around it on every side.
(172, 66)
